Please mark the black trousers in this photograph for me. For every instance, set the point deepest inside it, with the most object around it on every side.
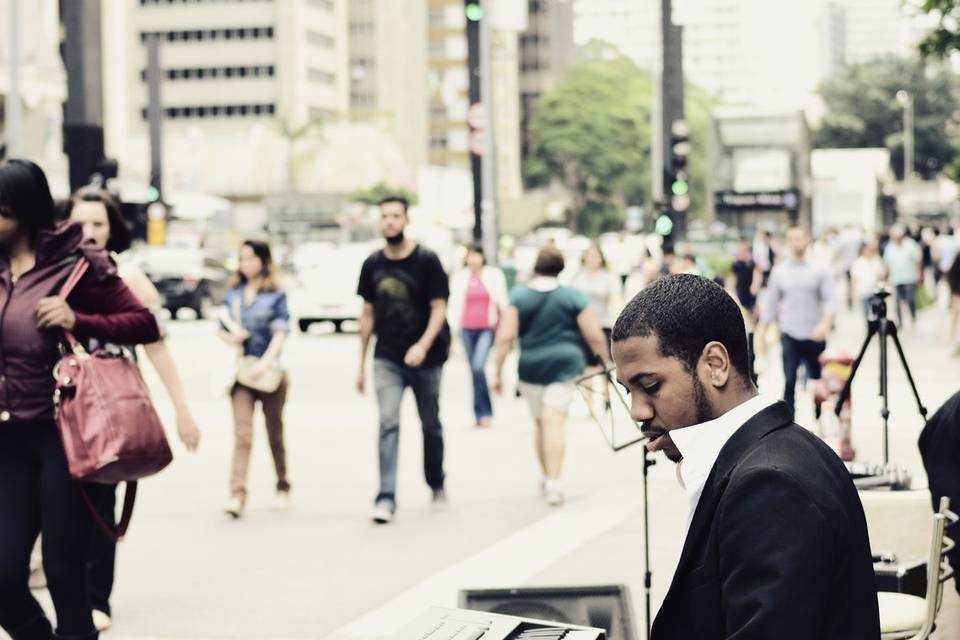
(795, 353)
(102, 554)
(37, 495)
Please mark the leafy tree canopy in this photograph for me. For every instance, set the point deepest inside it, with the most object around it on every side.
(862, 110)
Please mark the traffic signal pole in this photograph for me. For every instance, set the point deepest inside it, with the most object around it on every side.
(12, 104)
(488, 204)
(83, 110)
(482, 139)
(670, 111)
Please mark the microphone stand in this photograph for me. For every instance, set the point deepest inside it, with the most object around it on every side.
(648, 461)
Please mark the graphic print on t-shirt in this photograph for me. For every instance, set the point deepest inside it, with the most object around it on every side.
(396, 307)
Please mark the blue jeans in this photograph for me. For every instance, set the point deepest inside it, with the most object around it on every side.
(478, 343)
(906, 294)
(796, 352)
(391, 379)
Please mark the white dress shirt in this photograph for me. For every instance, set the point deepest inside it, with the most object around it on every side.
(700, 446)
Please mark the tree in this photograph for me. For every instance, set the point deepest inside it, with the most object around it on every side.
(863, 111)
(945, 38)
(373, 195)
(592, 134)
(312, 129)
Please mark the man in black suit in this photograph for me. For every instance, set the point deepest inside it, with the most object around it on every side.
(776, 545)
(940, 450)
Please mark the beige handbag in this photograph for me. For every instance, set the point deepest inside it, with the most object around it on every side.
(267, 382)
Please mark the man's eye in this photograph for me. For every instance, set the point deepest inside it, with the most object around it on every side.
(651, 389)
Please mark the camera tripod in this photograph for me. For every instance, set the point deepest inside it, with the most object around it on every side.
(610, 383)
(880, 326)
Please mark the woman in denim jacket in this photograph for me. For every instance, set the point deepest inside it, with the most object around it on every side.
(258, 323)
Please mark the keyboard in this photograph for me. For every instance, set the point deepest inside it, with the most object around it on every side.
(464, 624)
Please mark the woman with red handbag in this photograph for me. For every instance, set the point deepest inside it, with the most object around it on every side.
(38, 493)
(99, 215)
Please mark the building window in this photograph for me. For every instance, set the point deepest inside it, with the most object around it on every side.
(326, 5)
(439, 143)
(361, 28)
(199, 35)
(160, 2)
(318, 39)
(362, 100)
(216, 111)
(320, 76)
(201, 73)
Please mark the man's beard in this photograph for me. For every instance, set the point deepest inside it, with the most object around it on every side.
(395, 240)
(700, 403)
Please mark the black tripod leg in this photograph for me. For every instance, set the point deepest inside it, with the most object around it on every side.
(648, 575)
(845, 394)
(903, 360)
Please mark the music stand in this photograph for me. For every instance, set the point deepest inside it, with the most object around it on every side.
(609, 387)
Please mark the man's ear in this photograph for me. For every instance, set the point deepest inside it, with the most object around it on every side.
(716, 364)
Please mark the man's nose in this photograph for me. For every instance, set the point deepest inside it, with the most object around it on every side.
(640, 409)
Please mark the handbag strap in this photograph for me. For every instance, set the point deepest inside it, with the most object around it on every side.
(129, 498)
(79, 269)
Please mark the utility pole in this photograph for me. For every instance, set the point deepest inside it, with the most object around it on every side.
(474, 13)
(670, 112)
(155, 116)
(488, 204)
(905, 99)
(83, 110)
(13, 102)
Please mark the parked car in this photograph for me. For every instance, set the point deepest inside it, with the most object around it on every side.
(324, 285)
(186, 278)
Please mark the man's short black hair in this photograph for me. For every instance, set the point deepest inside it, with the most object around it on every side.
(395, 198)
(685, 312)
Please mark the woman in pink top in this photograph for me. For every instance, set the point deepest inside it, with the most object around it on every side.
(478, 293)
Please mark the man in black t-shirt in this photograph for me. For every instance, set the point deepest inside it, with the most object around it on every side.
(405, 291)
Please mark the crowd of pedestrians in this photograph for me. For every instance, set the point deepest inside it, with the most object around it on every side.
(559, 319)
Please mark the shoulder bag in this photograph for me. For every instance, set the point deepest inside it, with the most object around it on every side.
(110, 430)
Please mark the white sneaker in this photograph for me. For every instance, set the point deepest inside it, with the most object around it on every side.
(382, 512)
(281, 501)
(234, 507)
(101, 621)
(552, 493)
(439, 501)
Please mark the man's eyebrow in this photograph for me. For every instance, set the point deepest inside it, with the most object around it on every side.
(643, 374)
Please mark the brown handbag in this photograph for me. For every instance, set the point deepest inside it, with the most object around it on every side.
(110, 430)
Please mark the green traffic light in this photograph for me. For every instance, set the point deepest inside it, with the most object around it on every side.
(664, 225)
(680, 187)
(474, 12)
(152, 194)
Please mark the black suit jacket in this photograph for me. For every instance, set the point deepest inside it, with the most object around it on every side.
(778, 546)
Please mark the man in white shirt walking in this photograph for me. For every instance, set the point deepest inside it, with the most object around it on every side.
(775, 544)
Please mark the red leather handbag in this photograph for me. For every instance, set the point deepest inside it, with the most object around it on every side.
(110, 430)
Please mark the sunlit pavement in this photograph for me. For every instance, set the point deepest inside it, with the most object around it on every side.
(323, 570)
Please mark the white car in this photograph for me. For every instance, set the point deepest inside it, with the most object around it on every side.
(325, 286)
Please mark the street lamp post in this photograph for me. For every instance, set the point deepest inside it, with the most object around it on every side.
(905, 99)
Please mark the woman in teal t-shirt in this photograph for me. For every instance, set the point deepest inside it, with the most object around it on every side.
(552, 323)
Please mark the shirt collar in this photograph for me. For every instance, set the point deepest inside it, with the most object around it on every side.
(543, 283)
(700, 444)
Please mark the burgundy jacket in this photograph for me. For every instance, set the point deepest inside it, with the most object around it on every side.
(104, 307)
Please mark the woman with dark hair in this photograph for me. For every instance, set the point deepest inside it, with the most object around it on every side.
(36, 257)
(603, 289)
(478, 296)
(98, 214)
(551, 322)
(257, 322)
